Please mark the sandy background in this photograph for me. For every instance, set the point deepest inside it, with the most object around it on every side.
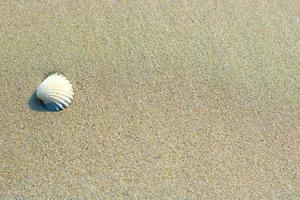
(174, 99)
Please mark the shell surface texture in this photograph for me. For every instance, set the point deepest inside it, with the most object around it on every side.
(56, 92)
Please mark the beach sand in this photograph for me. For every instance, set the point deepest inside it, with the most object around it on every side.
(173, 99)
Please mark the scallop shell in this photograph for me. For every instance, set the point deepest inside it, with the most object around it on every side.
(56, 92)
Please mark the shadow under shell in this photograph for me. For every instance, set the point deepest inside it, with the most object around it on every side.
(54, 107)
(38, 105)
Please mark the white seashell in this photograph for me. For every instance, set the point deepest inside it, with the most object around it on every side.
(56, 92)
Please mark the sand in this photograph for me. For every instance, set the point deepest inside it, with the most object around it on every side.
(173, 99)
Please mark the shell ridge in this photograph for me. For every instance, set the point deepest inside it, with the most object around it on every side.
(68, 90)
(61, 98)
